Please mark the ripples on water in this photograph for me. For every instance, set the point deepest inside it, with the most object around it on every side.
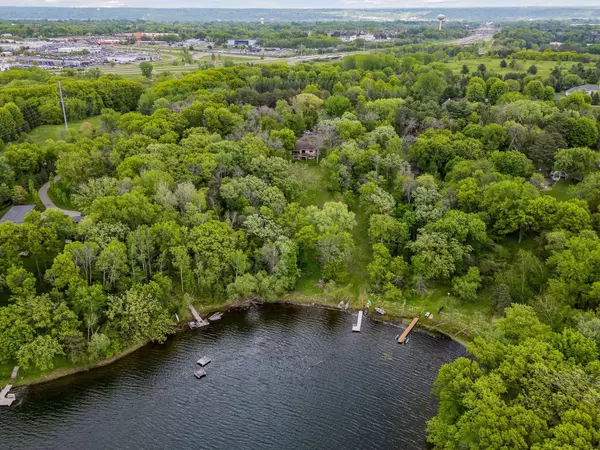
(260, 391)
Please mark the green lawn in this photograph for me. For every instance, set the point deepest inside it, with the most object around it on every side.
(42, 133)
(493, 64)
(313, 180)
(560, 190)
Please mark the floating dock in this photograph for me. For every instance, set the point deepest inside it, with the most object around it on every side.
(200, 373)
(204, 361)
(7, 399)
(358, 322)
(404, 336)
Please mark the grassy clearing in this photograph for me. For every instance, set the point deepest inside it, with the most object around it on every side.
(42, 133)
(313, 180)
(493, 64)
(560, 190)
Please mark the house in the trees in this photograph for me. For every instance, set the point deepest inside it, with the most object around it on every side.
(307, 147)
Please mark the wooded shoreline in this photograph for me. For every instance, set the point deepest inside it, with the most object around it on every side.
(315, 302)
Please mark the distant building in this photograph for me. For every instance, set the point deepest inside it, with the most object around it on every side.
(17, 214)
(4, 66)
(307, 147)
(122, 59)
(241, 43)
(108, 42)
(587, 88)
(72, 49)
(555, 45)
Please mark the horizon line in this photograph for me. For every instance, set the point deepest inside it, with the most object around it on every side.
(416, 8)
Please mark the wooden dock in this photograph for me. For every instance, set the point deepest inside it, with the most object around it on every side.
(6, 399)
(404, 335)
(358, 322)
(198, 321)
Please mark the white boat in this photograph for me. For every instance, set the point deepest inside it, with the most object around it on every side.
(347, 305)
(200, 373)
(379, 310)
(341, 304)
(215, 316)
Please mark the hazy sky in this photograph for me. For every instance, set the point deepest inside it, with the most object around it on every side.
(301, 3)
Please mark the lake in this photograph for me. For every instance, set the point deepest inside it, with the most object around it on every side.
(281, 377)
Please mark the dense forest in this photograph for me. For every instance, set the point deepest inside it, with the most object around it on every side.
(428, 179)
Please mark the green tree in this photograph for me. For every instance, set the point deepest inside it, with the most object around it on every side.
(429, 85)
(466, 287)
(497, 90)
(507, 203)
(146, 68)
(112, 262)
(582, 132)
(576, 162)
(337, 105)
(476, 90)
(485, 401)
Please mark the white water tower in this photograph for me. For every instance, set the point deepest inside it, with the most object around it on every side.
(441, 18)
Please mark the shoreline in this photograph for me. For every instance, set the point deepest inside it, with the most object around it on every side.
(292, 299)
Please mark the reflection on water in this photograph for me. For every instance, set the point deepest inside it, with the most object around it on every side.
(281, 377)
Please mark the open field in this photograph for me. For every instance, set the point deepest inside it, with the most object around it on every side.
(170, 61)
(493, 64)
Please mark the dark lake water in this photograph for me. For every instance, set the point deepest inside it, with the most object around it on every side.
(281, 377)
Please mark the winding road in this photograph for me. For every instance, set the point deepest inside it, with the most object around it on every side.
(49, 204)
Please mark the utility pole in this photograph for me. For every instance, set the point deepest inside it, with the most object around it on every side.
(62, 103)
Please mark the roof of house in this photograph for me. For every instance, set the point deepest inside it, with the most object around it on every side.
(585, 87)
(17, 213)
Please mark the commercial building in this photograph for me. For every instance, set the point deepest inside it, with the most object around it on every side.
(241, 43)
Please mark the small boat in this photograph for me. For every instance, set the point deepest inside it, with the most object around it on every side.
(215, 316)
(379, 310)
(397, 337)
(204, 361)
(341, 304)
(427, 314)
(347, 305)
(200, 373)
